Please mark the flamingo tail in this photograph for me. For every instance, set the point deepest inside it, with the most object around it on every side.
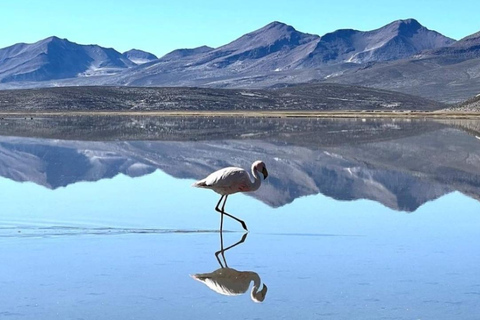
(199, 184)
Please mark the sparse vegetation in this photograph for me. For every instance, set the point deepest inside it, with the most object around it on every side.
(307, 97)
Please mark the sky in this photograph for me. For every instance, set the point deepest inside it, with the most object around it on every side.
(160, 26)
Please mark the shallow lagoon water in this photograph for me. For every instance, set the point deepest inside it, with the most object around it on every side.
(375, 228)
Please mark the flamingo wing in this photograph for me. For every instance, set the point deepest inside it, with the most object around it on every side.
(226, 181)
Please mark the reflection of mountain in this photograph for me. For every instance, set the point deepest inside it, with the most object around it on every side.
(54, 164)
(401, 171)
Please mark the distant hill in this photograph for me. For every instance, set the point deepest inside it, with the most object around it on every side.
(397, 40)
(321, 97)
(139, 56)
(466, 48)
(183, 53)
(448, 74)
(55, 58)
(471, 105)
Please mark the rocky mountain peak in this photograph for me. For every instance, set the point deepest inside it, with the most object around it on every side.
(139, 56)
(273, 33)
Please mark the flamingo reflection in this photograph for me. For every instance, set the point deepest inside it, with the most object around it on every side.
(230, 282)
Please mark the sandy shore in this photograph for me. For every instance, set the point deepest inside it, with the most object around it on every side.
(273, 114)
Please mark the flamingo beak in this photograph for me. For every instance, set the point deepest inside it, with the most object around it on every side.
(265, 173)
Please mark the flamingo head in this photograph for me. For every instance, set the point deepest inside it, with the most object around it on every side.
(260, 167)
(259, 296)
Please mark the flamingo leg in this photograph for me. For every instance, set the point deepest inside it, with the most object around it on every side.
(244, 237)
(221, 216)
(221, 224)
(222, 250)
(218, 203)
(222, 211)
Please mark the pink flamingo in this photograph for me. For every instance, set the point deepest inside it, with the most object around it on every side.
(231, 180)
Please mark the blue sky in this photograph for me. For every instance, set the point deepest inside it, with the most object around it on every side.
(162, 26)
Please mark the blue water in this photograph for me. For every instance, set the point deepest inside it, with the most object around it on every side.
(109, 238)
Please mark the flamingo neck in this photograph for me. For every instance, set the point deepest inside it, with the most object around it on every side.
(256, 282)
(256, 180)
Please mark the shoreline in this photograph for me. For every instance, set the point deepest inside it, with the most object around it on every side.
(255, 114)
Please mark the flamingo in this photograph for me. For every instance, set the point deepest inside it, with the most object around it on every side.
(231, 180)
(230, 282)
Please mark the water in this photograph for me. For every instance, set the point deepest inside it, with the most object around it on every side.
(357, 219)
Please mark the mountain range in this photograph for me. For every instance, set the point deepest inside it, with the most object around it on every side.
(401, 56)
